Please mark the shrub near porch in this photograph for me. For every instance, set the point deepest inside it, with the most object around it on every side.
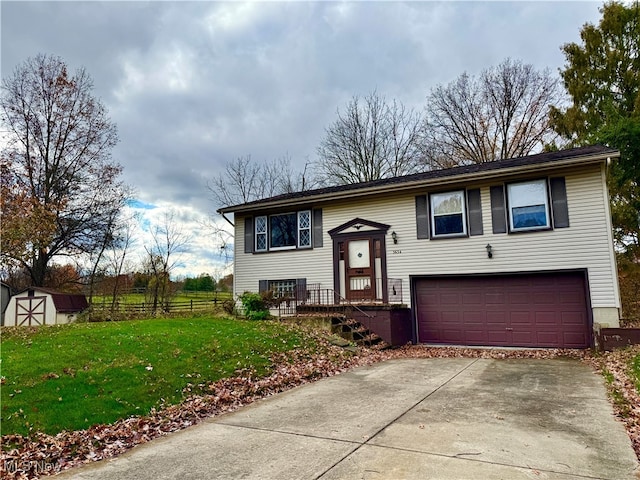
(70, 377)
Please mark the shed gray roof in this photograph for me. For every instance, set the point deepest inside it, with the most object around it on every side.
(574, 156)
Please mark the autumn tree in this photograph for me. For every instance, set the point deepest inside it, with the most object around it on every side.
(371, 139)
(58, 183)
(602, 77)
(502, 113)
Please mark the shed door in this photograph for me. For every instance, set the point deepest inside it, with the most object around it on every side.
(31, 311)
(533, 310)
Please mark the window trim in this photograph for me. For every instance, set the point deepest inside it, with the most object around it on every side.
(547, 206)
(432, 215)
(283, 288)
(267, 231)
(309, 228)
(286, 247)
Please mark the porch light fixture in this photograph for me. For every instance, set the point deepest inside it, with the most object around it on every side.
(394, 235)
(489, 250)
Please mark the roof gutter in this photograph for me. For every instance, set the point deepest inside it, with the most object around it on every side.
(395, 187)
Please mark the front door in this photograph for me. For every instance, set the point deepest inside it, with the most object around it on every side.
(360, 278)
(359, 261)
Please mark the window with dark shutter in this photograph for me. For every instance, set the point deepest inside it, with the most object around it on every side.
(448, 211)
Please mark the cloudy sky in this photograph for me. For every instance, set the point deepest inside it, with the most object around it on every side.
(193, 85)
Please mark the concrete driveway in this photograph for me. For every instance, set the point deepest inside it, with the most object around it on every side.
(405, 419)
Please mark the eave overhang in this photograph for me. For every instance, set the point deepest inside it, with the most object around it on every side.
(450, 176)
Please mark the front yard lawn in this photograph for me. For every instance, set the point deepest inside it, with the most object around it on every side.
(70, 377)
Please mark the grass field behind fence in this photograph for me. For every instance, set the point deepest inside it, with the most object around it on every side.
(180, 297)
(73, 376)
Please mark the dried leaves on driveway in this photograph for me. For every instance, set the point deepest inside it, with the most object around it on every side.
(40, 454)
(623, 390)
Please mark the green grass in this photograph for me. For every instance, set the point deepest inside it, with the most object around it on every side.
(70, 377)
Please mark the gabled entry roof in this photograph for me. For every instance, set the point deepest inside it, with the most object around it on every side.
(358, 223)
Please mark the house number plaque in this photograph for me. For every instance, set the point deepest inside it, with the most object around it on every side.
(396, 252)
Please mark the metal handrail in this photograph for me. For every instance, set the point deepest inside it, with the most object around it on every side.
(312, 294)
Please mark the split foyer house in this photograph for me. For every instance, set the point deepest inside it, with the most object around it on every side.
(516, 252)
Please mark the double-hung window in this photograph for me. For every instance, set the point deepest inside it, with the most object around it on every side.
(448, 214)
(283, 231)
(528, 206)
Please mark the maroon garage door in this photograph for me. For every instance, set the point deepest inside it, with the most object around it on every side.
(533, 310)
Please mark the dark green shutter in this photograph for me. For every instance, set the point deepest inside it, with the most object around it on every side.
(248, 235)
(559, 202)
(498, 212)
(422, 216)
(263, 285)
(475, 212)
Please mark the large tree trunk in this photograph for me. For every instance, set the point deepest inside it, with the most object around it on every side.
(38, 270)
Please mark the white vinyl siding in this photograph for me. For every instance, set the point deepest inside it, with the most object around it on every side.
(586, 244)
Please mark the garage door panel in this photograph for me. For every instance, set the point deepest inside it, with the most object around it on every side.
(521, 318)
(475, 336)
(494, 299)
(546, 318)
(524, 339)
(519, 298)
(475, 317)
(544, 298)
(498, 337)
(472, 298)
(451, 336)
(547, 339)
(573, 318)
(546, 310)
(575, 340)
(449, 298)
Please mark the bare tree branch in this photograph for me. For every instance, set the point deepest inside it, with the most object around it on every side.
(502, 114)
(370, 140)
